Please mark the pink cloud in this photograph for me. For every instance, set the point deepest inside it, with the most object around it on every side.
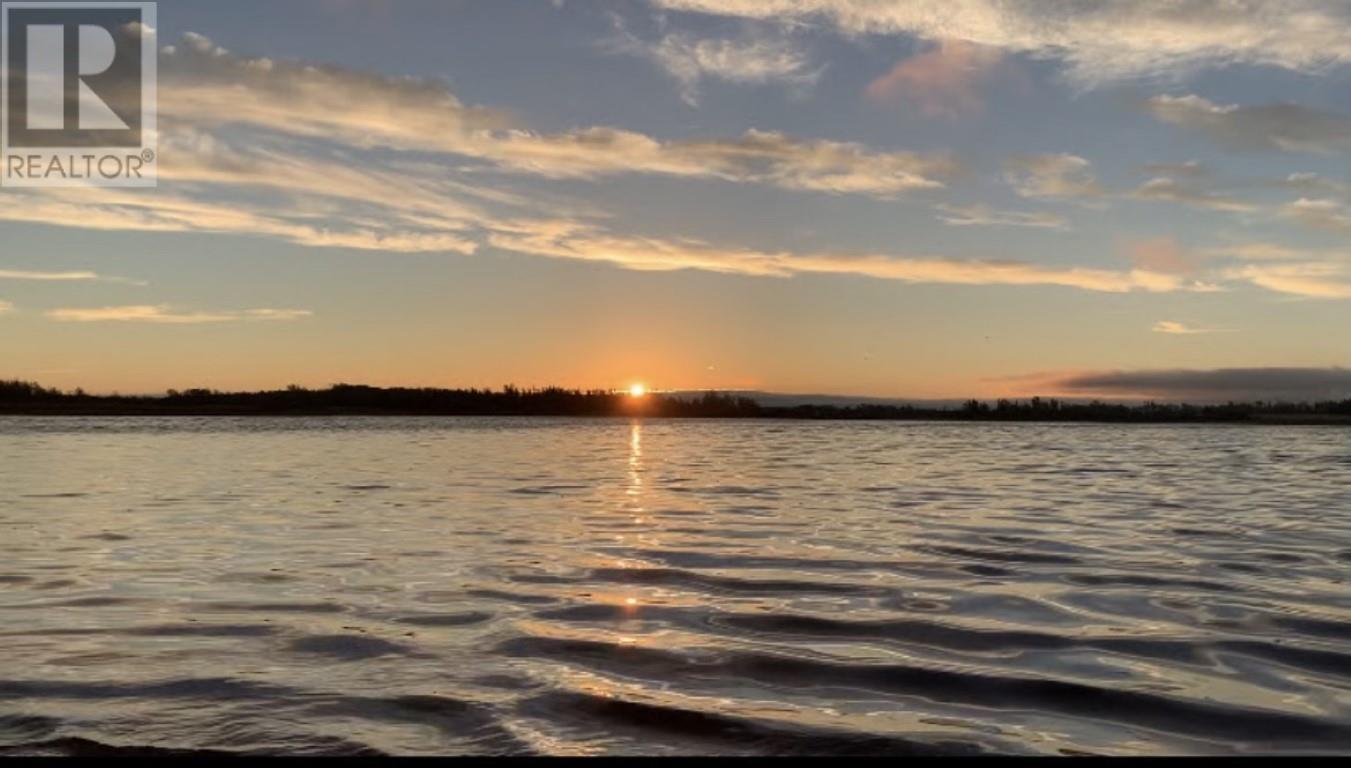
(1162, 254)
(946, 81)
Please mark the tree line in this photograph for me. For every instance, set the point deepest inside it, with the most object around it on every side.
(23, 397)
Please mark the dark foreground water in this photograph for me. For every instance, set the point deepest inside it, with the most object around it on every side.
(417, 586)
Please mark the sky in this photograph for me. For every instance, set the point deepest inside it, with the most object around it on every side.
(927, 199)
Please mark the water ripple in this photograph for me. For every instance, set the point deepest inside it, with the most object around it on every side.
(364, 586)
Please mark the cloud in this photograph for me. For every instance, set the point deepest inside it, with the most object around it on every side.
(1257, 252)
(6, 307)
(414, 209)
(1163, 255)
(165, 211)
(20, 274)
(985, 216)
(1052, 176)
(275, 314)
(1315, 280)
(65, 276)
(1312, 274)
(1287, 127)
(301, 154)
(1327, 214)
(764, 157)
(163, 314)
(569, 240)
(1098, 42)
(691, 60)
(946, 81)
(1174, 191)
(1175, 328)
(211, 87)
(1216, 385)
(1191, 169)
(1312, 184)
(1062, 176)
(204, 85)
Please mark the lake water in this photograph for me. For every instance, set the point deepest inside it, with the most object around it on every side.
(434, 586)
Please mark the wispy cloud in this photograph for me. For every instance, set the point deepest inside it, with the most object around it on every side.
(569, 240)
(299, 153)
(64, 276)
(1174, 328)
(1254, 251)
(1312, 184)
(762, 157)
(1189, 169)
(211, 87)
(1070, 178)
(1306, 273)
(946, 81)
(1323, 213)
(1313, 279)
(1052, 176)
(1288, 127)
(203, 84)
(1312, 274)
(1097, 42)
(302, 154)
(164, 314)
(1166, 189)
(21, 274)
(172, 211)
(751, 60)
(985, 216)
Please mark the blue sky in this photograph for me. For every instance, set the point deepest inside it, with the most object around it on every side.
(911, 199)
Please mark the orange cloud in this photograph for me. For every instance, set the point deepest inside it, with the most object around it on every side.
(572, 240)
(944, 82)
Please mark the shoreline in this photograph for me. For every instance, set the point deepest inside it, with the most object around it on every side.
(19, 398)
(954, 417)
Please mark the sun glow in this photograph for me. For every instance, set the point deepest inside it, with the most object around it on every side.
(637, 390)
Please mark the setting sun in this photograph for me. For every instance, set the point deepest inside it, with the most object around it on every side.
(675, 377)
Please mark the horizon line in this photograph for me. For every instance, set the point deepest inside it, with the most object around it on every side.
(800, 398)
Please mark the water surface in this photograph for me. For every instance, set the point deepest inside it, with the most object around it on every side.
(515, 586)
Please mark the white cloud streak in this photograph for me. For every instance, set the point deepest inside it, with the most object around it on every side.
(1313, 279)
(166, 315)
(985, 216)
(63, 276)
(1174, 328)
(569, 240)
